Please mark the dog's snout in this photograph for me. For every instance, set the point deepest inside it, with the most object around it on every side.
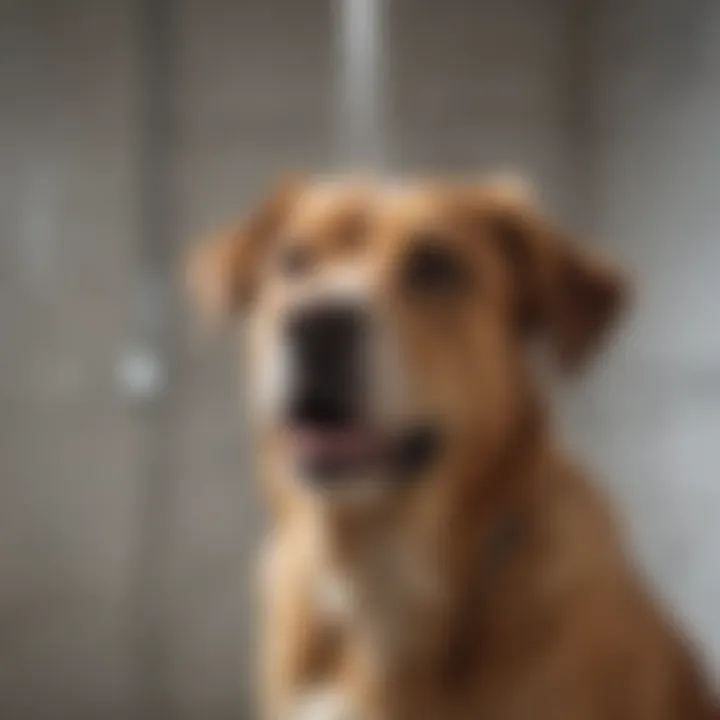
(324, 328)
(326, 343)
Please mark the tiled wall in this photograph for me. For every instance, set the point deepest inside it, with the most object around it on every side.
(69, 485)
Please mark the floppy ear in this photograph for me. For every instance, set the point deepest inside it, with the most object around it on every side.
(584, 298)
(221, 272)
(567, 292)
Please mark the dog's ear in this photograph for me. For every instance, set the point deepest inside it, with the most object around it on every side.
(564, 291)
(221, 272)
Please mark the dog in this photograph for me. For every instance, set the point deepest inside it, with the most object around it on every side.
(435, 553)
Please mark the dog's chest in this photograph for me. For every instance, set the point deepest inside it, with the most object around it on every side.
(381, 591)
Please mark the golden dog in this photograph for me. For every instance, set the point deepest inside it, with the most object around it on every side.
(434, 554)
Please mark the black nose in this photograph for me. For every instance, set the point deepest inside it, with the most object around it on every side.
(326, 344)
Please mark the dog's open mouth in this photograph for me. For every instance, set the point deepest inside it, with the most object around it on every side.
(332, 454)
(335, 452)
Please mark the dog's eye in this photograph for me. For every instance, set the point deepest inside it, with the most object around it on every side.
(430, 267)
(294, 260)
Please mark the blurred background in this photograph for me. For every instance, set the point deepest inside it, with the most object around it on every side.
(128, 515)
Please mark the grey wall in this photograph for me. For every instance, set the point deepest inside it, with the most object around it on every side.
(655, 421)
(108, 609)
(68, 464)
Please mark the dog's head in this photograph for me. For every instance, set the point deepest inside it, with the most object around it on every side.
(389, 326)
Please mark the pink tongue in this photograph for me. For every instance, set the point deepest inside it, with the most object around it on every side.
(348, 444)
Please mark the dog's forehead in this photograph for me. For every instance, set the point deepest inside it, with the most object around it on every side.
(389, 205)
(414, 202)
(411, 208)
(324, 203)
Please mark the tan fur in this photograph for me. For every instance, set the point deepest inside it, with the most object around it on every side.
(498, 587)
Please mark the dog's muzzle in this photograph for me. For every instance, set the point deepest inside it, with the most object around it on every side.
(330, 428)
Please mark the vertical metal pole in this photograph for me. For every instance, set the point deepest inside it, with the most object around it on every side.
(582, 105)
(361, 118)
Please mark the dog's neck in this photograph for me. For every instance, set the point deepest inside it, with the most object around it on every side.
(476, 492)
(427, 553)
(423, 578)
